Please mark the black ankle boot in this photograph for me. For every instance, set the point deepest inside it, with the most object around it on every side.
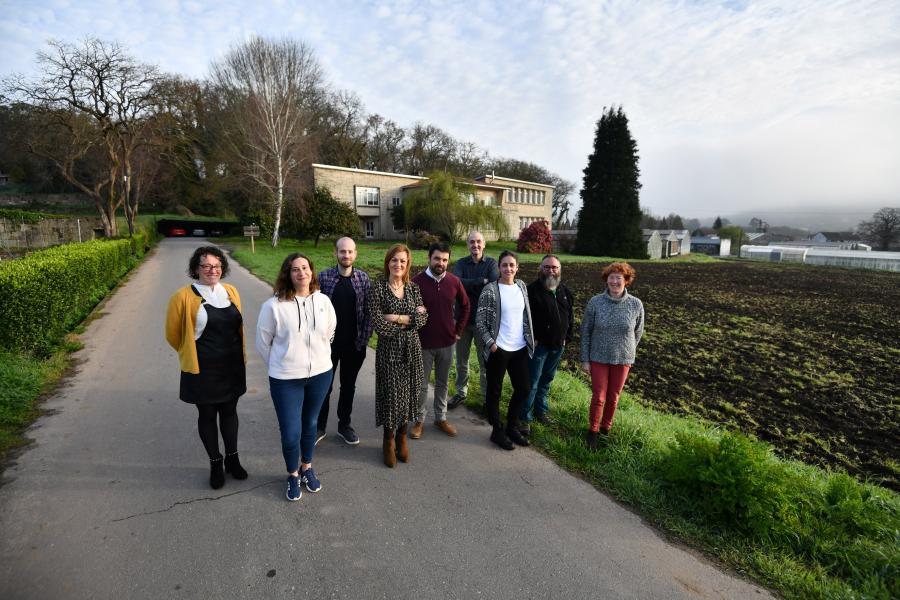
(499, 438)
(515, 437)
(216, 473)
(233, 466)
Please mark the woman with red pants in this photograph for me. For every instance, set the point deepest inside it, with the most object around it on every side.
(611, 329)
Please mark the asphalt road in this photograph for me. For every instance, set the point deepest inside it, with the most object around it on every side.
(112, 498)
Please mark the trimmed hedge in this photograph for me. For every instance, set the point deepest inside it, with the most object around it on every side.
(45, 294)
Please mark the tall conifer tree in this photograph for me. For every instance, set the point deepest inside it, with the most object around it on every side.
(609, 222)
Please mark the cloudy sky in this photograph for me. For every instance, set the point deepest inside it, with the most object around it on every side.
(776, 107)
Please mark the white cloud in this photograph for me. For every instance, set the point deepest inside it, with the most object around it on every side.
(749, 101)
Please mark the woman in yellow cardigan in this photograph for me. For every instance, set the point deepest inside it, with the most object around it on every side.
(204, 324)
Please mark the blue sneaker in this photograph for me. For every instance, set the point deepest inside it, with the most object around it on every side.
(310, 480)
(348, 435)
(294, 492)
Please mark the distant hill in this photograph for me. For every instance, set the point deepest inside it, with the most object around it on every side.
(808, 219)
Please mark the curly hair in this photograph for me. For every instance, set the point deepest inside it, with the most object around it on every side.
(624, 268)
(193, 270)
(284, 287)
(391, 253)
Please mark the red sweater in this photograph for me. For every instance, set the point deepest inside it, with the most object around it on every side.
(440, 300)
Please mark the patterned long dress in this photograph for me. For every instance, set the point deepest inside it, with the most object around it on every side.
(398, 356)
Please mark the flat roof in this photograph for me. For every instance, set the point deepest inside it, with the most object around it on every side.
(386, 173)
(474, 184)
(546, 185)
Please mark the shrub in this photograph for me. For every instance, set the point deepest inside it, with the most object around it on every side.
(423, 240)
(535, 239)
(48, 292)
(849, 529)
(733, 480)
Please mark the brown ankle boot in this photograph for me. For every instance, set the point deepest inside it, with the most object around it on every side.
(402, 447)
(389, 448)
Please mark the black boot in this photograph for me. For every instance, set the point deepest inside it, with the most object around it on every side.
(233, 466)
(591, 440)
(499, 438)
(216, 473)
(515, 437)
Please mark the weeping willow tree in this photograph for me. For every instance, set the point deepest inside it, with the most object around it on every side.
(449, 207)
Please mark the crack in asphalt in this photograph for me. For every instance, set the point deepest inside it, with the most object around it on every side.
(214, 498)
(191, 501)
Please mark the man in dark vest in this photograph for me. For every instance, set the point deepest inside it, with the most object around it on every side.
(348, 289)
(475, 271)
(552, 317)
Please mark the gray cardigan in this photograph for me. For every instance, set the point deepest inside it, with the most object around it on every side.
(611, 329)
(487, 319)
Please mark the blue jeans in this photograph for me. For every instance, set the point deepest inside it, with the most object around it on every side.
(297, 404)
(542, 368)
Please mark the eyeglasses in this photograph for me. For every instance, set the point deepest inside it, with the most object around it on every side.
(211, 267)
(550, 268)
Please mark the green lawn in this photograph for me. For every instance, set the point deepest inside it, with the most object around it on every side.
(266, 260)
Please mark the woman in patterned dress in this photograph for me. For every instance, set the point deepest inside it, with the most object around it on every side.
(397, 312)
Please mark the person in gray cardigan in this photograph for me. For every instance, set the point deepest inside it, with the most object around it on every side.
(503, 323)
(611, 330)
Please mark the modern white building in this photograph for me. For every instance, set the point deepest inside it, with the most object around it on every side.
(373, 194)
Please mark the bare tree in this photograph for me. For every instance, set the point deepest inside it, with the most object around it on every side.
(343, 131)
(93, 101)
(385, 144)
(270, 90)
(562, 190)
(883, 229)
(469, 160)
(429, 149)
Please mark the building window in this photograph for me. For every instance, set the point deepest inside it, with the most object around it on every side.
(395, 201)
(370, 229)
(367, 196)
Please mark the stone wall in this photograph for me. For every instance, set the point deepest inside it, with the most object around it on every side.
(17, 236)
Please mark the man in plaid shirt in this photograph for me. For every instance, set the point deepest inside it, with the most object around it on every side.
(348, 289)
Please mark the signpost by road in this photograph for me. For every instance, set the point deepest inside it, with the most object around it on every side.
(252, 231)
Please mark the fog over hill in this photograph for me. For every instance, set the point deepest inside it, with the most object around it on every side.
(827, 219)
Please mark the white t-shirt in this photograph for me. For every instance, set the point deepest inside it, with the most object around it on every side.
(215, 296)
(511, 336)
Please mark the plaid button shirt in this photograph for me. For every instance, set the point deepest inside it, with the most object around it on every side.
(359, 279)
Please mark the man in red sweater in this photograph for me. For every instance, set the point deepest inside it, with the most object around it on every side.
(441, 292)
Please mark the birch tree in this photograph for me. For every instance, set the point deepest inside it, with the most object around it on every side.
(270, 89)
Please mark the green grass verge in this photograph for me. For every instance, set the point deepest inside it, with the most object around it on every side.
(23, 378)
(805, 531)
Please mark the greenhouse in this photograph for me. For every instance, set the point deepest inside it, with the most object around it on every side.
(833, 257)
(882, 261)
(774, 253)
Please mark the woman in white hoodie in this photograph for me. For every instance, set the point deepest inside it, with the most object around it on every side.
(293, 336)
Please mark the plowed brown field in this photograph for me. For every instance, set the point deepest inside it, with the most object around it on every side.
(806, 358)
